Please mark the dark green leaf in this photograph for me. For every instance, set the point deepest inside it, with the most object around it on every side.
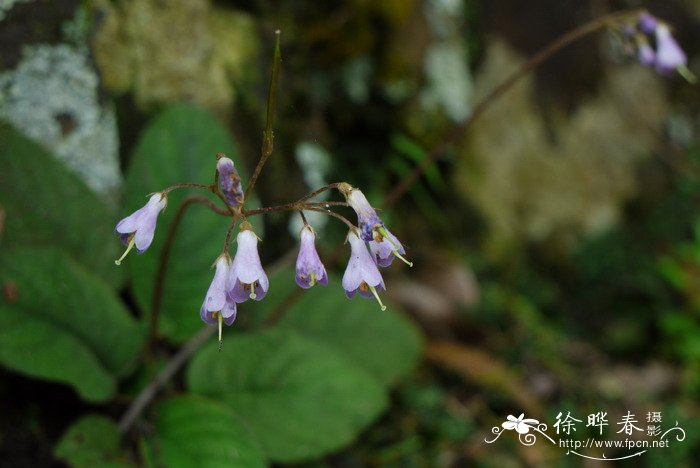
(194, 431)
(179, 146)
(63, 323)
(299, 397)
(91, 441)
(384, 343)
(45, 204)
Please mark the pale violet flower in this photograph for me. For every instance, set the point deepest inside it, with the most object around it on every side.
(388, 248)
(246, 278)
(217, 307)
(384, 245)
(229, 181)
(362, 275)
(669, 55)
(367, 218)
(522, 426)
(137, 229)
(309, 269)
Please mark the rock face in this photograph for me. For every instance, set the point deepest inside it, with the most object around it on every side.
(537, 181)
(52, 97)
(171, 50)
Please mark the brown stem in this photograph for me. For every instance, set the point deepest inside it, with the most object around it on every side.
(332, 213)
(319, 191)
(163, 377)
(178, 186)
(537, 59)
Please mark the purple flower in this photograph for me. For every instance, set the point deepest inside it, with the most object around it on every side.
(138, 228)
(669, 55)
(646, 54)
(361, 275)
(648, 23)
(367, 218)
(217, 308)
(229, 181)
(309, 270)
(246, 277)
(387, 248)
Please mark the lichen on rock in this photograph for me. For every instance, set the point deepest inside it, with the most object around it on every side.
(52, 97)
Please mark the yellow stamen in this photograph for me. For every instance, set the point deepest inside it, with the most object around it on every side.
(313, 279)
(252, 290)
(129, 246)
(221, 321)
(374, 291)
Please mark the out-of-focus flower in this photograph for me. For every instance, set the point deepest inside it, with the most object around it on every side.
(229, 181)
(137, 229)
(309, 269)
(246, 278)
(362, 275)
(217, 307)
(669, 56)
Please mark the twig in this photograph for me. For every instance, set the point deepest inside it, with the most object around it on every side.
(164, 376)
(536, 60)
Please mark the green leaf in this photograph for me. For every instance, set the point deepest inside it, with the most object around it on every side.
(64, 324)
(299, 397)
(45, 204)
(194, 431)
(91, 441)
(179, 146)
(384, 343)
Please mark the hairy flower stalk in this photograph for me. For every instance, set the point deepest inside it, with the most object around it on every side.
(246, 279)
(362, 275)
(309, 269)
(217, 308)
(137, 229)
(229, 182)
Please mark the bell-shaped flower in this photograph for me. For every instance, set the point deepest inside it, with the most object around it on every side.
(137, 229)
(217, 308)
(229, 181)
(362, 275)
(669, 55)
(246, 278)
(309, 269)
(367, 218)
(387, 248)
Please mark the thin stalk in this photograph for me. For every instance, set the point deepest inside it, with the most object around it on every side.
(268, 135)
(500, 89)
(178, 186)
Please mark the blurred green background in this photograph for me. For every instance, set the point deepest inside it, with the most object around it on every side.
(556, 243)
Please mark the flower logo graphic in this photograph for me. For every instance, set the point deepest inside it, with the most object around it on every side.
(522, 426)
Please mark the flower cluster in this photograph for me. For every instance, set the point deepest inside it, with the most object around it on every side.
(655, 46)
(235, 281)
